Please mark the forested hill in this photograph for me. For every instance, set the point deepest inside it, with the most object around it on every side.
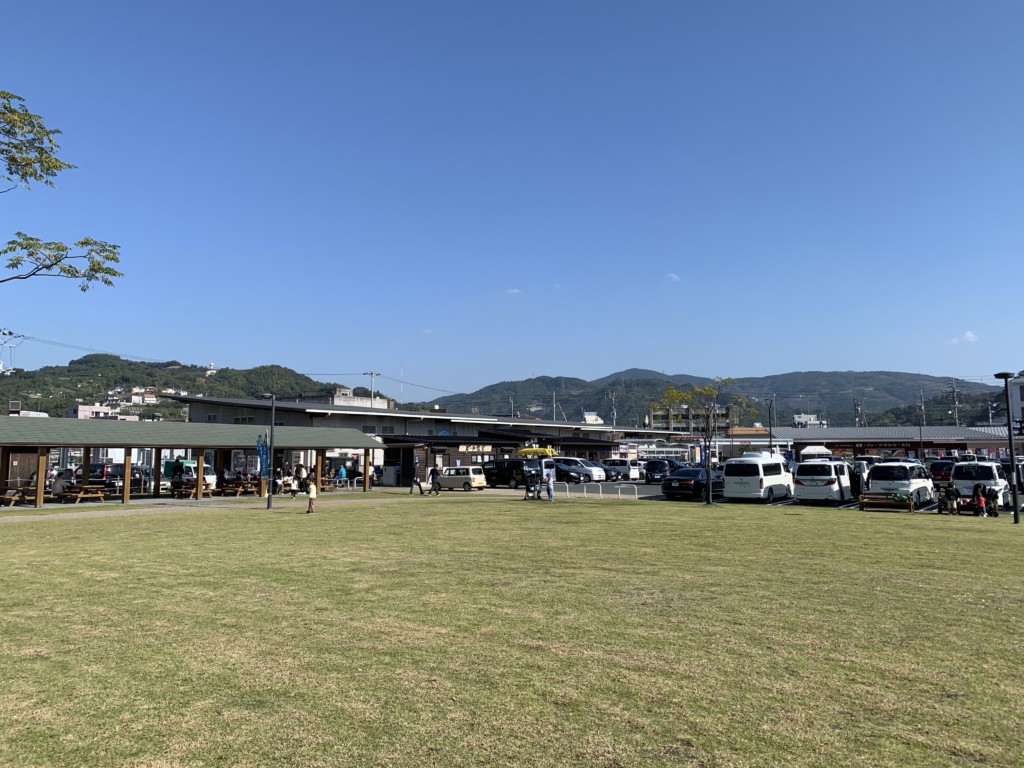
(828, 394)
(885, 397)
(53, 389)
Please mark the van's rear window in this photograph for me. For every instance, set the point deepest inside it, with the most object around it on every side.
(814, 470)
(741, 470)
(887, 472)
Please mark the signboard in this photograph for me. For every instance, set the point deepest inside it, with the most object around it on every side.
(263, 451)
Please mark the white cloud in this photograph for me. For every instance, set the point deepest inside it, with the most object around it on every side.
(969, 336)
(672, 277)
(512, 291)
(428, 331)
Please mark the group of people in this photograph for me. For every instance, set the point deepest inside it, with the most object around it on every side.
(984, 502)
(433, 483)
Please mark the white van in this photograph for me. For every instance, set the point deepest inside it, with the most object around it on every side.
(904, 477)
(820, 480)
(466, 478)
(589, 471)
(966, 474)
(758, 475)
(628, 468)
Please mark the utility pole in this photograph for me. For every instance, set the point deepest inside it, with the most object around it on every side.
(953, 395)
(924, 422)
(373, 375)
(611, 396)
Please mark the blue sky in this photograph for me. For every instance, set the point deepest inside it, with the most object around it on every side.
(455, 194)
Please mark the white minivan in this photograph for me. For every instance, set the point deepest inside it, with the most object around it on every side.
(466, 478)
(966, 474)
(904, 477)
(821, 480)
(758, 475)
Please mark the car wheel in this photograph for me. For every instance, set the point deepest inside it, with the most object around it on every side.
(467, 487)
(513, 484)
(588, 479)
(770, 496)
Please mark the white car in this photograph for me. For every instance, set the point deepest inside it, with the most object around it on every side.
(902, 477)
(820, 480)
(466, 478)
(629, 469)
(966, 474)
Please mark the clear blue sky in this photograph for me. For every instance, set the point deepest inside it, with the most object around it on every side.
(460, 193)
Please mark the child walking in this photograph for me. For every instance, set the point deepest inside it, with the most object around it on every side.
(312, 498)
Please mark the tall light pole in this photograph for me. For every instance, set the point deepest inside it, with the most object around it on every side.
(270, 449)
(771, 438)
(1009, 436)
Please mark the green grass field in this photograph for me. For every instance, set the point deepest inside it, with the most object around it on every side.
(481, 630)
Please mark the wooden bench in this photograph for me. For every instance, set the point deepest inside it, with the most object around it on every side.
(237, 488)
(883, 499)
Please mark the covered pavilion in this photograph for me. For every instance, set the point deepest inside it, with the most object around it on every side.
(31, 440)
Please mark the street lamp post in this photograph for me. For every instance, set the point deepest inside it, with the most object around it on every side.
(1009, 436)
(270, 449)
(771, 439)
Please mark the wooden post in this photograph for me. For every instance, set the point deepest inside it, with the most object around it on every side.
(41, 461)
(126, 489)
(156, 471)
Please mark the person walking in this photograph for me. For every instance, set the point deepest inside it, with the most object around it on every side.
(300, 473)
(435, 482)
(311, 507)
(951, 496)
(549, 481)
(415, 483)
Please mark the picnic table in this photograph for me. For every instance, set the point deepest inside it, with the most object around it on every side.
(238, 487)
(79, 492)
(11, 495)
(188, 490)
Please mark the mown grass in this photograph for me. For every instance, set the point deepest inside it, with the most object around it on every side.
(479, 630)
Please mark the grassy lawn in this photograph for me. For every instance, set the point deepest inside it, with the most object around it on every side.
(481, 630)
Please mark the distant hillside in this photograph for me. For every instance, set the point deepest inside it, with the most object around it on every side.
(885, 397)
(53, 389)
(828, 394)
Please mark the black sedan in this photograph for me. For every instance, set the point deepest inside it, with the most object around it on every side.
(566, 474)
(691, 483)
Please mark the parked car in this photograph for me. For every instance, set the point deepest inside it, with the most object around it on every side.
(511, 472)
(989, 473)
(758, 475)
(567, 474)
(692, 483)
(941, 469)
(822, 481)
(657, 470)
(612, 474)
(904, 477)
(629, 469)
(590, 471)
(466, 478)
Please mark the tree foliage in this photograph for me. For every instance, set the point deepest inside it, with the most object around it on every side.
(28, 153)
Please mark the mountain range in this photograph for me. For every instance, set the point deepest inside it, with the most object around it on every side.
(882, 397)
(840, 397)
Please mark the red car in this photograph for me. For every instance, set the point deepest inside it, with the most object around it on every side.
(941, 471)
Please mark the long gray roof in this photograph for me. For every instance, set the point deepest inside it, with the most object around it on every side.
(23, 431)
(854, 434)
